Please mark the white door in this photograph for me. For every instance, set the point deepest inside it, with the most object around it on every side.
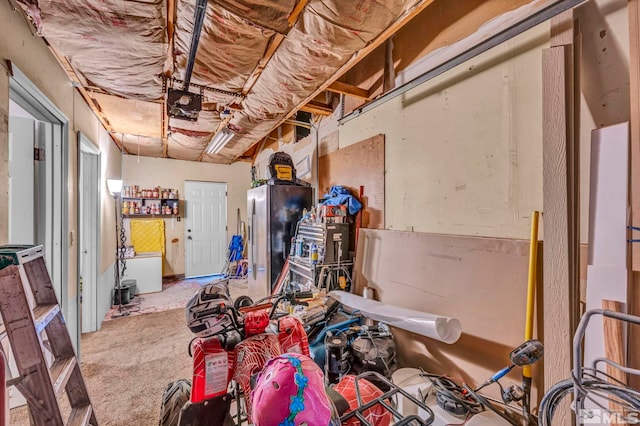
(88, 199)
(205, 228)
(21, 181)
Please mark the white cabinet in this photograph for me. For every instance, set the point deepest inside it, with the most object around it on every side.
(146, 269)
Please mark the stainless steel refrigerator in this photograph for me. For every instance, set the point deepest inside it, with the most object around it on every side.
(273, 213)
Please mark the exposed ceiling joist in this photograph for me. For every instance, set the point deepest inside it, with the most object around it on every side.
(317, 108)
(296, 12)
(272, 47)
(349, 89)
(171, 13)
(362, 53)
(73, 76)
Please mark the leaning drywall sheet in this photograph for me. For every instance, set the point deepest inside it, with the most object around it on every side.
(607, 275)
(129, 36)
(480, 281)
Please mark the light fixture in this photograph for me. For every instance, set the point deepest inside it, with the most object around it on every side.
(115, 187)
(219, 140)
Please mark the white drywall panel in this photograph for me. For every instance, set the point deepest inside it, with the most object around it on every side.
(609, 197)
(464, 151)
(604, 75)
(480, 281)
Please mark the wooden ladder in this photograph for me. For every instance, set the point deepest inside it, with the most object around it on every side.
(31, 331)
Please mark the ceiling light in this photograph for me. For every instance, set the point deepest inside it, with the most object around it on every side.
(219, 140)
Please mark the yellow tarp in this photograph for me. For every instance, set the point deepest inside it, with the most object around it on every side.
(147, 235)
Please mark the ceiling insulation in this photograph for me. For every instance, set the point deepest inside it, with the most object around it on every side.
(266, 14)
(230, 47)
(140, 145)
(118, 46)
(323, 39)
(260, 47)
(183, 147)
(142, 118)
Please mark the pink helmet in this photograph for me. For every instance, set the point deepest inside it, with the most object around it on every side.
(289, 392)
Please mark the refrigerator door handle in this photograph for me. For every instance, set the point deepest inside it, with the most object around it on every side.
(252, 229)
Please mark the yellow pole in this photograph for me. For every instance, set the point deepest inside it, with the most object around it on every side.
(531, 289)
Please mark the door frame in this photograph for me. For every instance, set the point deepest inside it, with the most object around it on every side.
(28, 96)
(86, 146)
(188, 219)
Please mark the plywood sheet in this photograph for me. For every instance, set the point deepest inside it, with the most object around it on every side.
(480, 281)
(131, 116)
(360, 164)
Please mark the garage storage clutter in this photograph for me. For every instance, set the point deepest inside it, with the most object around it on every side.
(154, 201)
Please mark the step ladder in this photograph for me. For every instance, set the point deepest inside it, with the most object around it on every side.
(34, 325)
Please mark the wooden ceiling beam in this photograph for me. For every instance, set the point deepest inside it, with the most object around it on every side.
(171, 17)
(297, 10)
(349, 89)
(272, 47)
(77, 83)
(317, 108)
(361, 54)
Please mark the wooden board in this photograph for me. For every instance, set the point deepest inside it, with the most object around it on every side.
(4, 152)
(634, 85)
(558, 220)
(358, 164)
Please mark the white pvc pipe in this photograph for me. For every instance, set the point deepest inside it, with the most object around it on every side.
(444, 329)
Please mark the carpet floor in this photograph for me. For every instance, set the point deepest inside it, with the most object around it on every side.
(128, 363)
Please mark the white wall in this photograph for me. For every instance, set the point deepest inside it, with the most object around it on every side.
(150, 172)
(29, 53)
(464, 151)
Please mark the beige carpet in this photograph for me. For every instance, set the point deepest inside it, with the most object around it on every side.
(127, 364)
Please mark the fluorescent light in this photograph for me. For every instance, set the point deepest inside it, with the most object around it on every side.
(114, 186)
(219, 140)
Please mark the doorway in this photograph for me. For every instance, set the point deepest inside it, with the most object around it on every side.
(205, 228)
(37, 198)
(88, 232)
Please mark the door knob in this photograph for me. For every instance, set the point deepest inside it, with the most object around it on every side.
(188, 230)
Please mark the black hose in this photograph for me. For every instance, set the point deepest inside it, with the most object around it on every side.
(489, 405)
